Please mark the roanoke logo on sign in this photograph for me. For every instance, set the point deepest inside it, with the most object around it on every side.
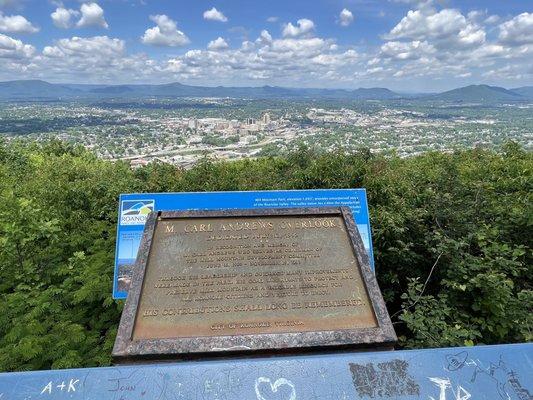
(135, 212)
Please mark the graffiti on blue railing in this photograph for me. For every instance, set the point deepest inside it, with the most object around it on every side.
(480, 373)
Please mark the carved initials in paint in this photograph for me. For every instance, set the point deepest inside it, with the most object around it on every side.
(443, 384)
(71, 387)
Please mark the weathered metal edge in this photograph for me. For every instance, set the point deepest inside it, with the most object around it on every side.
(369, 278)
(254, 212)
(125, 348)
(127, 319)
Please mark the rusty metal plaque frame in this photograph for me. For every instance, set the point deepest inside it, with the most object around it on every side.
(129, 349)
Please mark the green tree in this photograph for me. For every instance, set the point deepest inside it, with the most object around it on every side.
(452, 240)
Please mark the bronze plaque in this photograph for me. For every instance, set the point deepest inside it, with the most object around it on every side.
(243, 275)
(238, 280)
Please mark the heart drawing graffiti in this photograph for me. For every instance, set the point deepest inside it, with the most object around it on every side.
(262, 389)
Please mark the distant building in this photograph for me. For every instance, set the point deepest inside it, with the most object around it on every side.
(193, 123)
(138, 162)
(250, 121)
(221, 125)
(266, 118)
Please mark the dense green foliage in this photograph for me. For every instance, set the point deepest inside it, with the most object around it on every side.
(220, 141)
(452, 236)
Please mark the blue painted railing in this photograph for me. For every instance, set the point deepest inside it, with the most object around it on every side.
(485, 372)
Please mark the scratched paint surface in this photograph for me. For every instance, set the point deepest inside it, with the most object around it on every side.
(490, 372)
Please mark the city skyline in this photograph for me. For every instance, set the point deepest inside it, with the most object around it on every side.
(400, 44)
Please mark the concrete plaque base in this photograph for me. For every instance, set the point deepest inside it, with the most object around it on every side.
(251, 281)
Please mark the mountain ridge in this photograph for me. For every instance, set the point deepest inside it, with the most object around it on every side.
(526, 91)
(39, 89)
(478, 93)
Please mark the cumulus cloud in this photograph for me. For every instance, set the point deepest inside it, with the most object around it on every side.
(272, 19)
(165, 33)
(476, 14)
(96, 59)
(492, 19)
(518, 30)
(264, 38)
(268, 59)
(336, 60)
(345, 17)
(509, 72)
(92, 15)
(98, 46)
(16, 24)
(62, 17)
(407, 51)
(218, 44)
(428, 42)
(14, 49)
(287, 59)
(304, 27)
(447, 27)
(214, 15)
(304, 47)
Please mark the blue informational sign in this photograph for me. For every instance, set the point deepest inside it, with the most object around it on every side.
(134, 209)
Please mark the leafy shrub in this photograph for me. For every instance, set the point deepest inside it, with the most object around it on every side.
(452, 237)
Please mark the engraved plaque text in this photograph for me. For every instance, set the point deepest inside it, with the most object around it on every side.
(223, 276)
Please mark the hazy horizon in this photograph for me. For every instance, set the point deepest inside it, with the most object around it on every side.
(258, 86)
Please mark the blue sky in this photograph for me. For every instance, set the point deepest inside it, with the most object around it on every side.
(409, 45)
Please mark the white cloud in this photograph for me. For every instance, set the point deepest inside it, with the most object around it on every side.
(301, 60)
(16, 58)
(97, 46)
(218, 44)
(14, 49)
(165, 33)
(62, 17)
(445, 44)
(290, 60)
(16, 24)
(475, 14)
(407, 51)
(492, 19)
(302, 47)
(447, 28)
(509, 72)
(272, 19)
(417, 25)
(304, 27)
(336, 60)
(92, 15)
(429, 44)
(264, 38)
(214, 15)
(96, 59)
(345, 17)
(518, 30)
(470, 36)
(489, 51)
